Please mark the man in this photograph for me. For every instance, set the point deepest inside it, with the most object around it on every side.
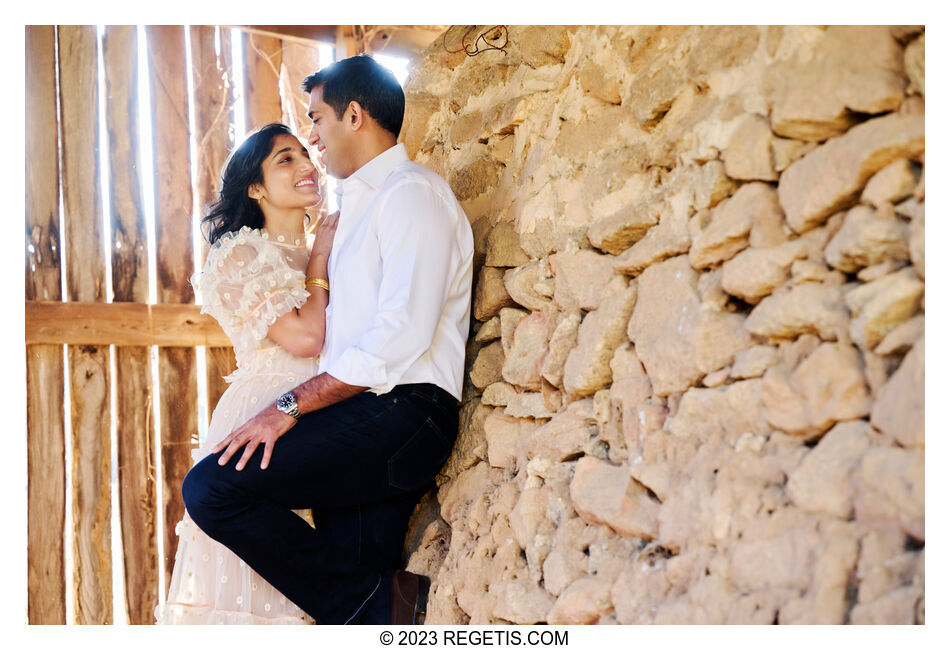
(363, 440)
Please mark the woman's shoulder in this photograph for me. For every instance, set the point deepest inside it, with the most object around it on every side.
(235, 244)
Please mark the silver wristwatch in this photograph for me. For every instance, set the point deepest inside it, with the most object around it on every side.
(287, 403)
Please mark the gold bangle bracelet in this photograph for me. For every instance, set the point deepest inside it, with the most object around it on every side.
(320, 282)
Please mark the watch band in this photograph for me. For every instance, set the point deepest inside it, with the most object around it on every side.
(287, 403)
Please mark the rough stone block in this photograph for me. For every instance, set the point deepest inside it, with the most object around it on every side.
(487, 367)
(899, 409)
(600, 82)
(528, 405)
(749, 154)
(914, 65)
(756, 272)
(490, 330)
(480, 176)
(566, 435)
(668, 238)
(522, 365)
(678, 340)
(732, 222)
(520, 601)
(520, 283)
(754, 361)
(470, 445)
(814, 98)
(916, 243)
(544, 45)
(587, 368)
(891, 490)
(503, 434)
(808, 308)
(605, 494)
(490, 293)
(830, 178)
(868, 237)
(508, 319)
(879, 307)
(823, 481)
(504, 246)
(785, 151)
(580, 277)
(563, 340)
(583, 602)
(902, 337)
(892, 184)
(827, 387)
(498, 394)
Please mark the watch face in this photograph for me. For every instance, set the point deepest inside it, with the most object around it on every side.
(286, 402)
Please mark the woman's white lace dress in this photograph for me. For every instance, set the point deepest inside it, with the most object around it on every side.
(251, 277)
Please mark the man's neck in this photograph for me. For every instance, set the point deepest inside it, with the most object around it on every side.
(372, 148)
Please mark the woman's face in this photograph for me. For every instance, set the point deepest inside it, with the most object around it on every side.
(290, 179)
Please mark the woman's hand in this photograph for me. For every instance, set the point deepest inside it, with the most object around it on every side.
(323, 237)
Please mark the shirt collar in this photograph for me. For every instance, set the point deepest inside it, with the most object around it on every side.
(376, 171)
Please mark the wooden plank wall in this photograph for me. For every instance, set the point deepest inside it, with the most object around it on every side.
(133, 373)
(46, 447)
(214, 114)
(178, 407)
(64, 151)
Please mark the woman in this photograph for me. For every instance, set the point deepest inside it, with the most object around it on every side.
(269, 295)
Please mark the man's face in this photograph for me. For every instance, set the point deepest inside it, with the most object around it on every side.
(331, 137)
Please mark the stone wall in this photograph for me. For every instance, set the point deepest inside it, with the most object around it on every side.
(695, 382)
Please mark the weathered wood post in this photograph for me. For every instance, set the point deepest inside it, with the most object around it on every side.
(135, 424)
(262, 80)
(46, 447)
(88, 364)
(175, 264)
(214, 111)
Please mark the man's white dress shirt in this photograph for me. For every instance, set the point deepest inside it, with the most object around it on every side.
(400, 277)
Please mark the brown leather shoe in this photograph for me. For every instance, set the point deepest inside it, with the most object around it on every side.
(410, 592)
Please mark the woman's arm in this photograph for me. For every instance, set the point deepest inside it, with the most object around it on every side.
(301, 331)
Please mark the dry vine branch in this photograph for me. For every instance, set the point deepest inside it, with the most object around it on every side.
(483, 36)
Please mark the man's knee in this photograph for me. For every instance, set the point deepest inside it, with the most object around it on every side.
(200, 500)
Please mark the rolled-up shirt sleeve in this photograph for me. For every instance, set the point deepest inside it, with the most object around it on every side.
(417, 248)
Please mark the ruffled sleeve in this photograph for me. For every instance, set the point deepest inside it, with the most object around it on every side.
(246, 285)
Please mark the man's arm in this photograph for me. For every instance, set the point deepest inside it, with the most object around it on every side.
(270, 424)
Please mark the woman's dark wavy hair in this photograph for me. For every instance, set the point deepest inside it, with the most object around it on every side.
(234, 209)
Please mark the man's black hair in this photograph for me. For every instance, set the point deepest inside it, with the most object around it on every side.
(362, 80)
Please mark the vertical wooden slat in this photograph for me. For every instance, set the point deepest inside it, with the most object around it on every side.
(213, 108)
(92, 512)
(175, 264)
(42, 167)
(89, 365)
(262, 81)
(299, 61)
(46, 449)
(136, 471)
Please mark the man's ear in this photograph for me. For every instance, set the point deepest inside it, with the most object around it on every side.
(355, 116)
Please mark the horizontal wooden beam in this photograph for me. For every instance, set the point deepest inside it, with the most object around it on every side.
(121, 323)
(397, 40)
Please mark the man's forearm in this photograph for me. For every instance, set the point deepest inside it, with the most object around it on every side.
(322, 391)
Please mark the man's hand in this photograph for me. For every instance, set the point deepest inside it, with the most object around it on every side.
(265, 427)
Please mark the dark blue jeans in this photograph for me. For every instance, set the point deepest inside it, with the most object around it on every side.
(361, 464)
